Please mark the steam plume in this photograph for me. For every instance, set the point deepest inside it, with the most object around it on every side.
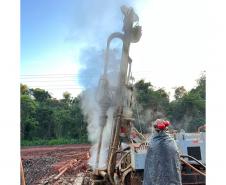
(93, 63)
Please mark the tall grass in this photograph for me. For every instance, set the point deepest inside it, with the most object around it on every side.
(59, 141)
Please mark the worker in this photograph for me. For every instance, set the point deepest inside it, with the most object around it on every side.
(162, 165)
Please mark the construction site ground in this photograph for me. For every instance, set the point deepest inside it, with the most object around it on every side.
(55, 165)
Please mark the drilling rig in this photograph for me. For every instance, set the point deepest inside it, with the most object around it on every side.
(121, 99)
(124, 161)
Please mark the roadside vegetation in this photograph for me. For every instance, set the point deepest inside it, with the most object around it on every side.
(187, 111)
(49, 121)
(49, 142)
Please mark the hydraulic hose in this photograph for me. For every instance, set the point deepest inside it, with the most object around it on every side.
(188, 156)
(192, 167)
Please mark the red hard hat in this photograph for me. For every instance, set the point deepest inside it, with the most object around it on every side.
(161, 126)
(158, 121)
(166, 123)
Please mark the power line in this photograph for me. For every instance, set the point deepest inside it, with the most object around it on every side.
(46, 74)
(67, 75)
(54, 85)
(64, 88)
(50, 81)
(53, 88)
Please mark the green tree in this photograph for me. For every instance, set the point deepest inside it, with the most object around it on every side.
(143, 92)
(40, 94)
(67, 96)
(24, 89)
(45, 117)
(28, 121)
(151, 103)
(80, 128)
(188, 110)
(179, 92)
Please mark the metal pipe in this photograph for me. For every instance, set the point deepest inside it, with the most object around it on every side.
(22, 173)
(188, 156)
(110, 38)
(140, 134)
(192, 167)
(99, 147)
(112, 157)
(120, 162)
(129, 72)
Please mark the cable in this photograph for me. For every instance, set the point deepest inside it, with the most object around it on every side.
(188, 156)
(53, 81)
(63, 88)
(68, 74)
(192, 167)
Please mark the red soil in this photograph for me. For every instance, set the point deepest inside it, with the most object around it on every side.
(41, 162)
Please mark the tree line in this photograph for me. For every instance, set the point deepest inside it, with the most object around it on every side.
(187, 111)
(45, 117)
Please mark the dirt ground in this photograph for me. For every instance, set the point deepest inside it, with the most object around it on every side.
(44, 165)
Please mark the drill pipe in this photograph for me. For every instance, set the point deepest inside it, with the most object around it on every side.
(103, 116)
(113, 149)
(100, 141)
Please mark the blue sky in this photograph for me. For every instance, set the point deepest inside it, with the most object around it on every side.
(52, 29)
(54, 35)
(57, 36)
(44, 25)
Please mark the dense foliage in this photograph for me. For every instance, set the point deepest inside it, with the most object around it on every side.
(186, 112)
(46, 120)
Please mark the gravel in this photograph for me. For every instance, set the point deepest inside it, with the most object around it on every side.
(37, 168)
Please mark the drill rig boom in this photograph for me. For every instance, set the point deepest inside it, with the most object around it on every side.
(123, 95)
